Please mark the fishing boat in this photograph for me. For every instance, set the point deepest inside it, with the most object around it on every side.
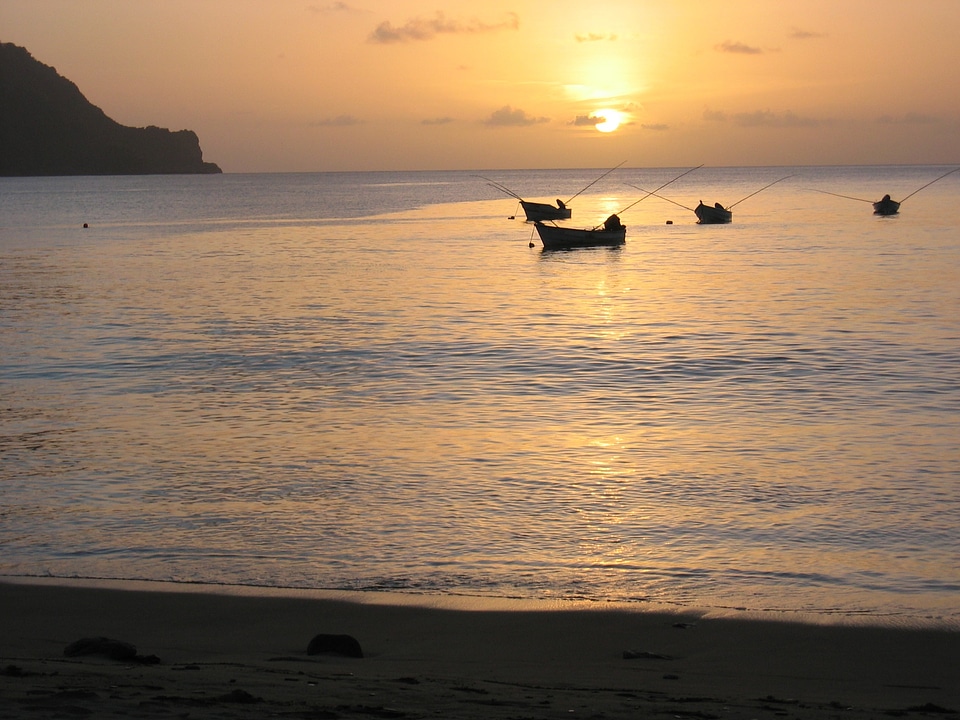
(611, 232)
(886, 206)
(555, 237)
(540, 211)
(536, 211)
(715, 214)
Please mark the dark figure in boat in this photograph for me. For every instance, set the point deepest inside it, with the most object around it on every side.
(561, 204)
(612, 223)
(886, 206)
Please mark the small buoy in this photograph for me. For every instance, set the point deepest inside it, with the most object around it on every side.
(512, 217)
(85, 225)
(531, 244)
(669, 222)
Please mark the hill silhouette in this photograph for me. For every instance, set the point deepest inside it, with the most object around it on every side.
(47, 127)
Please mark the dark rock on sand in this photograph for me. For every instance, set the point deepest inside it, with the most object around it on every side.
(15, 671)
(113, 649)
(643, 655)
(240, 696)
(931, 708)
(108, 648)
(337, 644)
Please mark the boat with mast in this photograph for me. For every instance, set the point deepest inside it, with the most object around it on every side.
(557, 237)
(611, 232)
(541, 211)
(885, 206)
(715, 214)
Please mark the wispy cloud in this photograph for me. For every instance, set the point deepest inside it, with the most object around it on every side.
(737, 48)
(590, 120)
(420, 29)
(595, 37)
(658, 127)
(907, 119)
(437, 121)
(800, 34)
(764, 118)
(510, 117)
(338, 121)
(333, 7)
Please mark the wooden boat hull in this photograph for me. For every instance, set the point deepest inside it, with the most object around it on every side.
(536, 212)
(886, 207)
(711, 215)
(554, 237)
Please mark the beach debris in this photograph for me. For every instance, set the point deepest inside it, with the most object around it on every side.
(113, 649)
(108, 648)
(337, 644)
(372, 710)
(644, 655)
(930, 708)
(468, 689)
(15, 671)
(240, 696)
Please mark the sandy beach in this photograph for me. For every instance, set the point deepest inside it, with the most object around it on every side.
(205, 655)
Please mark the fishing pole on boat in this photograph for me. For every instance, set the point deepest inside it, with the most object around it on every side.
(500, 187)
(661, 197)
(929, 184)
(731, 207)
(848, 197)
(503, 189)
(597, 180)
(654, 192)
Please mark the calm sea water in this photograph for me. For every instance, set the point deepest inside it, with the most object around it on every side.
(372, 381)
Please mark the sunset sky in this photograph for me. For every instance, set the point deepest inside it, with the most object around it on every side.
(319, 85)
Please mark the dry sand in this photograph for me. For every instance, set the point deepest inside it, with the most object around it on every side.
(244, 656)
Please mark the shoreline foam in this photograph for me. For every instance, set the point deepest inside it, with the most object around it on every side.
(481, 603)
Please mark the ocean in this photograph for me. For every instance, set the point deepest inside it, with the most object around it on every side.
(381, 382)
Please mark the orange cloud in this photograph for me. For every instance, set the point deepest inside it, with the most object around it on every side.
(737, 48)
(420, 29)
(510, 117)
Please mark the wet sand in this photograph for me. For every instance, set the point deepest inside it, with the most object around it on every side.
(201, 654)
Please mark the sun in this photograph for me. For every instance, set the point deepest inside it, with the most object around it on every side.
(610, 119)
